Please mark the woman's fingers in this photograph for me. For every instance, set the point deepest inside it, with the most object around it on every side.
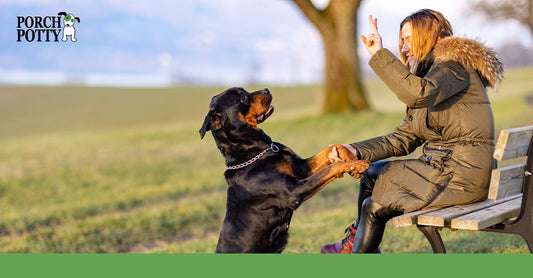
(373, 24)
(372, 41)
(372, 37)
(333, 156)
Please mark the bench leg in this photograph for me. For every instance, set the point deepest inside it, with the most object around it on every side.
(522, 228)
(527, 234)
(432, 235)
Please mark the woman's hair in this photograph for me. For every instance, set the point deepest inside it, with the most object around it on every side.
(427, 27)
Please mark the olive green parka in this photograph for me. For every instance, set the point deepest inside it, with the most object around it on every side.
(449, 113)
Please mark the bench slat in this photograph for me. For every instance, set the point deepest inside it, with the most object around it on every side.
(513, 143)
(506, 181)
(488, 217)
(442, 218)
(409, 219)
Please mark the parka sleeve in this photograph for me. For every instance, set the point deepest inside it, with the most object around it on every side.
(443, 81)
(401, 141)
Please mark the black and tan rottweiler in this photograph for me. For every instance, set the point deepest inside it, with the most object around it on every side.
(267, 180)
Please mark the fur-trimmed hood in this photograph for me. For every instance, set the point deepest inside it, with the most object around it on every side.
(472, 55)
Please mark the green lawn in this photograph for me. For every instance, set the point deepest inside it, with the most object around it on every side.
(86, 170)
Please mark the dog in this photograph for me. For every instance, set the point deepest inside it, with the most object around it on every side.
(68, 29)
(267, 181)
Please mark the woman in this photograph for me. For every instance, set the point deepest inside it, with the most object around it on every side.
(442, 80)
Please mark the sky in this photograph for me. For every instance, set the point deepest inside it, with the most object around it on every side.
(213, 42)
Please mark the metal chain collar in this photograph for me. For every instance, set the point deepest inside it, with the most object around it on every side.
(272, 147)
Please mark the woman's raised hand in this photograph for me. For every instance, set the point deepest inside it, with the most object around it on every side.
(372, 41)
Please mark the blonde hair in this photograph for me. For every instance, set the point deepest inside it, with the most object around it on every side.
(428, 27)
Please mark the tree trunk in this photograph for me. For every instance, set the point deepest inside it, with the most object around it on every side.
(337, 24)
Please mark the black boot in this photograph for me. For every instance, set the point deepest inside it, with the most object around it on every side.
(372, 223)
(366, 185)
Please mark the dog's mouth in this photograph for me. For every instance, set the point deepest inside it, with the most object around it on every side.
(265, 114)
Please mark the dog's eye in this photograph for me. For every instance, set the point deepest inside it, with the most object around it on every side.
(244, 98)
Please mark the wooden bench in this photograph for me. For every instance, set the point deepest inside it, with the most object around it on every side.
(509, 207)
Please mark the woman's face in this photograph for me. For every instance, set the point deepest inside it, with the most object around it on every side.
(406, 39)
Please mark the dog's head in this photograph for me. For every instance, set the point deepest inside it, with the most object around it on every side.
(237, 109)
(68, 19)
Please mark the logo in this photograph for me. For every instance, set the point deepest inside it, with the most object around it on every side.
(47, 28)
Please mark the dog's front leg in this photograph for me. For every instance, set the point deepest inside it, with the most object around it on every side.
(321, 160)
(309, 186)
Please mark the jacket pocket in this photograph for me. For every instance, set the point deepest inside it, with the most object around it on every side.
(436, 157)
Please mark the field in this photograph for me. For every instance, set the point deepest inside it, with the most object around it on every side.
(108, 170)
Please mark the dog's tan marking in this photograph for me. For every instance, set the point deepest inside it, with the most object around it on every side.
(285, 168)
(256, 108)
(251, 121)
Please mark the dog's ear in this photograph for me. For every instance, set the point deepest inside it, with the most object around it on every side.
(61, 13)
(77, 19)
(205, 127)
(211, 122)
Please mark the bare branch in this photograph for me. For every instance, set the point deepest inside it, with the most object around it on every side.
(519, 10)
(312, 13)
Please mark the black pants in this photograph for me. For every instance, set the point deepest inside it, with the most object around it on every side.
(371, 216)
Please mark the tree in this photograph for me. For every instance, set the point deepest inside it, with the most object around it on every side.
(520, 10)
(337, 25)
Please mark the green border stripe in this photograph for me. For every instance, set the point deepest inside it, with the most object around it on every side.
(284, 265)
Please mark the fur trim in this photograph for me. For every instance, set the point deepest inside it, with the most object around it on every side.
(471, 55)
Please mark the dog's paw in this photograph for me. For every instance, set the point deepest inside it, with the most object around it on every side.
(358, 167)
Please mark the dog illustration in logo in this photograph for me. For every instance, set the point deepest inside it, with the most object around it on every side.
(68, 29)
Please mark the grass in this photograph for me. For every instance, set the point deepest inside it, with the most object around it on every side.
(90, 170)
